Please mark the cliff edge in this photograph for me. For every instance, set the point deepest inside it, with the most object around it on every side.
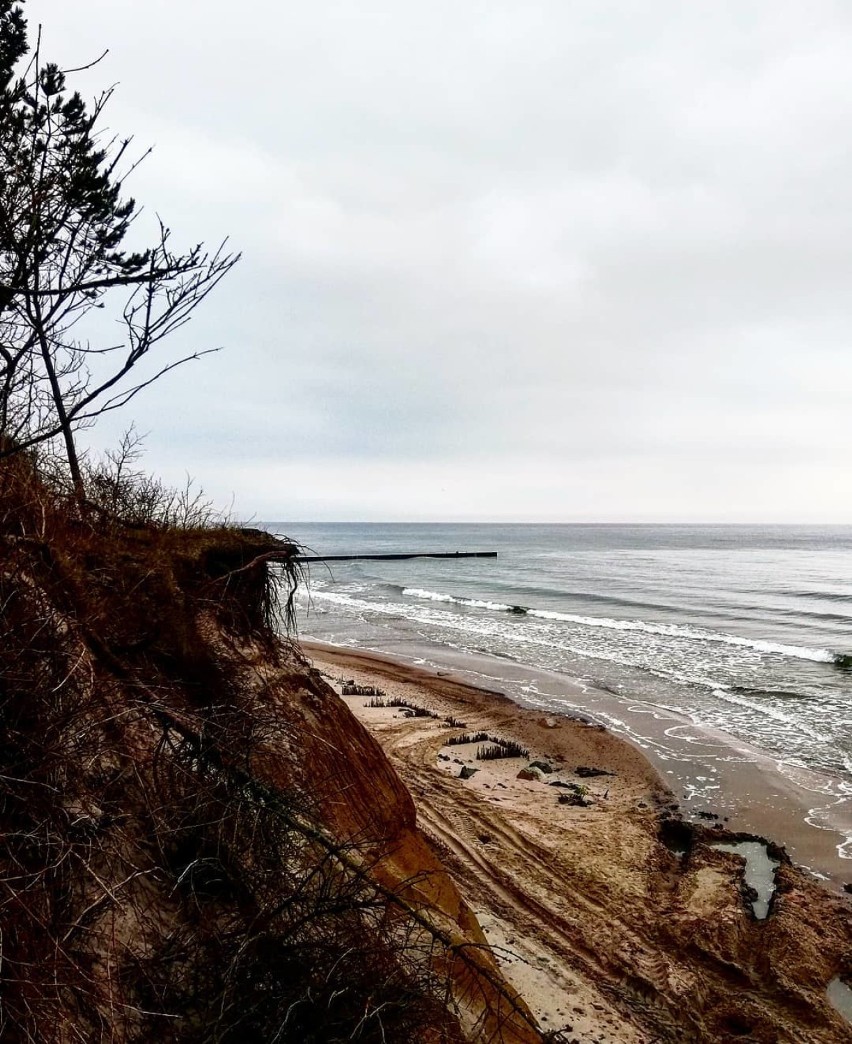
(200, 841)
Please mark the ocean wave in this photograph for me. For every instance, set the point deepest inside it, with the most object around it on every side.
(473, 603)
(767, 710)
(816, 595)
(664, 630)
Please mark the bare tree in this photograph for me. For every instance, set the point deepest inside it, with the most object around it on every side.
(64, 220)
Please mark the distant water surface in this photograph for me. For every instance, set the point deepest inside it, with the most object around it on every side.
(747, 629)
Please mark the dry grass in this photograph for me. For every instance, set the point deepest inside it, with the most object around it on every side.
(152, 885)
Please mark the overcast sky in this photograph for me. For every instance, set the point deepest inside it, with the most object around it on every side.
(513, 261)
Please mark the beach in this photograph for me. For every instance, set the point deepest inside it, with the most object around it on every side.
(565, 870)
(714, 775)
(719, 651)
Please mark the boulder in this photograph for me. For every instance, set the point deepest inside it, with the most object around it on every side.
(530, 772)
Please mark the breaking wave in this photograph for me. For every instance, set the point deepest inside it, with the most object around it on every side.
(666, 630)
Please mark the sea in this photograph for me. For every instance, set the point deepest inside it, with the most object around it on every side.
(741, 629)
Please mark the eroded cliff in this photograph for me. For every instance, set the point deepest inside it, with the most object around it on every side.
(199, 840)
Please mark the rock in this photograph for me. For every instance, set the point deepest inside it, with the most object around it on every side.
(706, 815)
(542, 765)
(549, 723)
(587, 772)
(466, 771)
(848, 888)
(530, 773)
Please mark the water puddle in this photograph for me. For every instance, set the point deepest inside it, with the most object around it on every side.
(840, 997)
(759, 872)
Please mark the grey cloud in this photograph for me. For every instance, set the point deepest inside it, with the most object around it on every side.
(488, 245)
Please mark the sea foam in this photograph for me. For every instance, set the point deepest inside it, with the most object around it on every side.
(608, 623)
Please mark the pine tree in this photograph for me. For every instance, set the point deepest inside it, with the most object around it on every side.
(64, 220)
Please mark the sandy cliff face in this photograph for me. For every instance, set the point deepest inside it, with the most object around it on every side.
(357, 793)
(199, 841)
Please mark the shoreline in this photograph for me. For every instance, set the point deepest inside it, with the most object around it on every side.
(615, 920)
(714, 777)
(470, 821)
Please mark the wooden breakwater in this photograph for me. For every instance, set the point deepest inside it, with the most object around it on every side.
(396, 557)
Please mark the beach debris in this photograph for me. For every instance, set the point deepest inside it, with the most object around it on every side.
(409, 710)
(350, 688)
(495, 746)
(451, 722)
(466, 771)
(500, 748)
(470, 737)
(576, 800)
(588, 772)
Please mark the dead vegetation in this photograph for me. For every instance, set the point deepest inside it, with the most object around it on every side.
(153, 882)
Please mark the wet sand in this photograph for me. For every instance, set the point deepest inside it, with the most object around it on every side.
(593, 919)
(714, 776)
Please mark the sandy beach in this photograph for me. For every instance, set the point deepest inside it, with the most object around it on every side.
(714, 776)
(567, 875)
